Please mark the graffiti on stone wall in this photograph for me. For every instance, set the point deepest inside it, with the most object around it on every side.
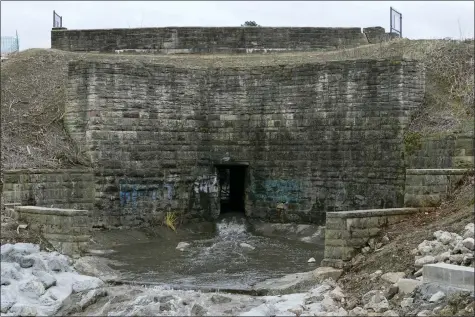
(277, 191)
(131, 193)
(206, 184)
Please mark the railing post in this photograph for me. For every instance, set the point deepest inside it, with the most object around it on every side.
(54, 14)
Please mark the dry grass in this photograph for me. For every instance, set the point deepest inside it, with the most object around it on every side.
(34, 81)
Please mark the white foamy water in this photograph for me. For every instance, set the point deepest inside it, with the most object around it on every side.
(231, 228)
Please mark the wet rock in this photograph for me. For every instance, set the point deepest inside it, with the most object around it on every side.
(428, 259)
(182, 246)
(392, 277)
(46, 279)
(406, 286)
(220, 299)
(391, 291)
(323, 273)
(407, 302)
(358, 311)
(376, 301)
(198, 310)
(91, 297)
(31, 287)
(313, 299)
(246, 246)
(468, 243)
(390, 313)
(168, 306)
(311, 260)
(166, 299)
(87, 284)
(437, 297)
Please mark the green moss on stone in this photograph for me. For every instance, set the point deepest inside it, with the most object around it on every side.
(412, 142)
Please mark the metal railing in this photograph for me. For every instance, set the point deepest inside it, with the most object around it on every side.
(395, 25)
(9, 45)
(57, 20)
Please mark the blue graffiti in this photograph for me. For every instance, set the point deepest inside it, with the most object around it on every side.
(278, 191)
(131, 193)
(170, 191)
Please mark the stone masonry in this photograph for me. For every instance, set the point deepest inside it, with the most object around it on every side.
(316, 137)
(214, 39)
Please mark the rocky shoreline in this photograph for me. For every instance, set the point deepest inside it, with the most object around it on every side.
(35, 283)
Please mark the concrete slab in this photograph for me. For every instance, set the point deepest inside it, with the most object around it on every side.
(371, 212)
(291, 283)
(448, 274)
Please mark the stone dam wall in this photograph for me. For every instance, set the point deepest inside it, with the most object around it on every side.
(214, 39)
(63, 188)
(314, 137)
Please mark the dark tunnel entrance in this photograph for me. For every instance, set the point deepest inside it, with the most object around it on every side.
(232, 183)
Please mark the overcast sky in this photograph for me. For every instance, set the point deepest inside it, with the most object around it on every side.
(425, 19)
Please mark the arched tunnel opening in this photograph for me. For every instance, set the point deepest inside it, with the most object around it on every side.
(232, 187)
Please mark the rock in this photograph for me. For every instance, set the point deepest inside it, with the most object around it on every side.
(372, 243)
(168, 306)
(391, 291)
(26, 248)
(247, 246)
(391, 313)
(220, 299)
(407, 302)
(31, 287)
(57, 262)
(365, 250)
(313, 299)
(444, 237)
(392, 277)
(442, 256)
(428, 259)
(324, 272)
(378, 246)
(455, 239)
(182, 246)
(468, 243)
(418, 272)
(91, 297)
(469, 231)
(8, 299)
(459, 248)
(311, 260)
(337, 294)
(166, 299)
(406, 286)
(9, 272)
(376, 301)
(328, 304)
(373, 276)
(424, 312)
(46, 279)
(351, 303)
(26, 261)
(415, 252)
(467, 259)
(385, 240)
(424, 248)
(456, 258)
(198, 310)
(23, 310)
(437, 297)
(358, 311)
(358, 259)
(87, 284)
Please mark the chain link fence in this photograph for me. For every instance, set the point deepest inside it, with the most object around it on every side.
(9, 45)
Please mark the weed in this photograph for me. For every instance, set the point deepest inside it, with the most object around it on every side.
(171, 220)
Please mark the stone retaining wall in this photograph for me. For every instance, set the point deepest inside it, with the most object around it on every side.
(227, 40)
(68, 230)
(348, 231)
(60, 188)
(428, 187)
